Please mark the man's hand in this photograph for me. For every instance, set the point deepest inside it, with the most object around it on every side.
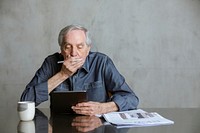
(86, 123)
(94, 108)
(71, 65)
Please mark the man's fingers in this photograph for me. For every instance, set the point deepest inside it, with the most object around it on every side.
(87, 108)
(71, 66)
(83, 110)
(77, 62)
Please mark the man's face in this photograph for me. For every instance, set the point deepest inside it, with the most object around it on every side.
(75, 45)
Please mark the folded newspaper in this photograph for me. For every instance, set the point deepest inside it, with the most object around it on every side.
(136, 118)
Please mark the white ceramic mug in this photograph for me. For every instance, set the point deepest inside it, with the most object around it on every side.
(26, 110)
(26, 127)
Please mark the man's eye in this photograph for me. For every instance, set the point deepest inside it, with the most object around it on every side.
(80, 46)
(67, 46)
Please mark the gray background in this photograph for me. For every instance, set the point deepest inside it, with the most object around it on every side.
(153, 43)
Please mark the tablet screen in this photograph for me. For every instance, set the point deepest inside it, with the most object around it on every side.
(61, 102)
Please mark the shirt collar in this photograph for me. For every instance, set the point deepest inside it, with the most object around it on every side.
(86, 64)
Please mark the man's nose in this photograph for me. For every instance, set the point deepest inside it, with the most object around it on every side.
(74, 51)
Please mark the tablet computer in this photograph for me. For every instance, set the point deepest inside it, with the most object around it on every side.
(61, 102)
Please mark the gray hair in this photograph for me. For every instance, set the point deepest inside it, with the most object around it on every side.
(69, 28)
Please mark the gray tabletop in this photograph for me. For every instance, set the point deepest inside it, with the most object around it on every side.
(186, 120)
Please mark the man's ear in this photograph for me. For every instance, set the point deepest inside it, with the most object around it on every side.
(61, 51)
(89, 48)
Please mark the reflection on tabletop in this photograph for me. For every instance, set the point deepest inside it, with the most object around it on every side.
(38, 125)
(66, 123)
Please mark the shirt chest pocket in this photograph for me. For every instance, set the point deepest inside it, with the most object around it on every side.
(96, 91)
(97, 84)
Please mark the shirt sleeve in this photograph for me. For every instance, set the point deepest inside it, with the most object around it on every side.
(122, 94)
(37, 89)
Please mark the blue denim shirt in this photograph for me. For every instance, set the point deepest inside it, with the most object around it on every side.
(98, 76)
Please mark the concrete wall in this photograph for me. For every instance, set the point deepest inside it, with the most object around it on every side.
(155, 44)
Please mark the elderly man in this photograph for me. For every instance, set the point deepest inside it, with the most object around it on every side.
(81, 70)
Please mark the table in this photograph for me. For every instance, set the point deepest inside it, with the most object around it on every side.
(187, 120)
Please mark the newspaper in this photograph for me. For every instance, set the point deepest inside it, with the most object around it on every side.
(136, 118)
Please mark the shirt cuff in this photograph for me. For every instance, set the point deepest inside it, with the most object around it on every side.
(119, 101)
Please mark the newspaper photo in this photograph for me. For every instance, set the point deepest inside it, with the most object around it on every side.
(136, 118)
